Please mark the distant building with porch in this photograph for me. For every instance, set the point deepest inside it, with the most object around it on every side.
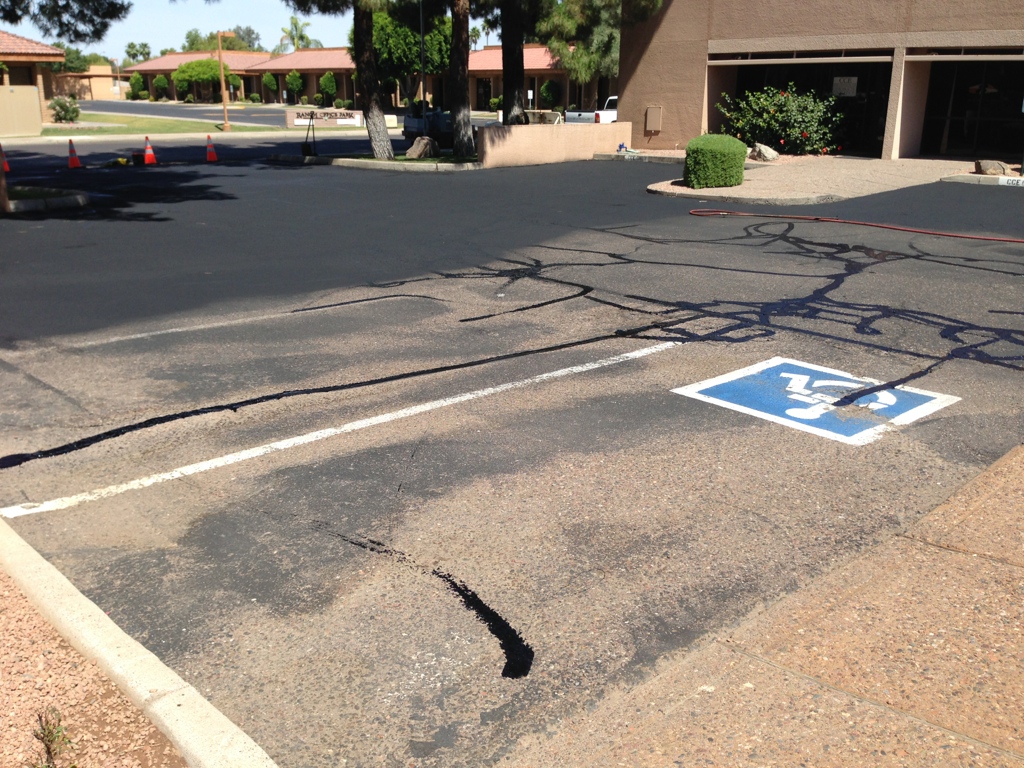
(98, 83)
(913, 77)
(312, 64)
(240, 63)
(485, 77)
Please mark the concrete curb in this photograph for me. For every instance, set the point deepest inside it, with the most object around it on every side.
(625, 156)
(376, 165)
(62, 199)
(1001, 181)
(203, 735)
(698, 194)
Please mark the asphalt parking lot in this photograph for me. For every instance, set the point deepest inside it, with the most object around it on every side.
(390, 466)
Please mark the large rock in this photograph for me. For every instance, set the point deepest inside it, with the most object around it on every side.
(763, 153)
(992, 168)
(424, 146)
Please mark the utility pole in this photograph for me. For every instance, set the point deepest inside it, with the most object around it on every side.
(223, 87)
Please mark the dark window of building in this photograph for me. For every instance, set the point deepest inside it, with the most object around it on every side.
(974, 108)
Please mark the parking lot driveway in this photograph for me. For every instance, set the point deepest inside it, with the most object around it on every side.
(417, 493)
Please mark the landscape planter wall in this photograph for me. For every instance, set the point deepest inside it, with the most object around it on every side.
(509, 145)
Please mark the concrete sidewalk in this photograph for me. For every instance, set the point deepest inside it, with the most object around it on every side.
(910, 655)
(819, 179)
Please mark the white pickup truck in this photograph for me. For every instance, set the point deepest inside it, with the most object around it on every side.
(609, 114)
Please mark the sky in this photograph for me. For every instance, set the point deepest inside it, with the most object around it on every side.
(163, 24)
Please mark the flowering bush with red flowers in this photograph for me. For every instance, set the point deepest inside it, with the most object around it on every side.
(792, 122)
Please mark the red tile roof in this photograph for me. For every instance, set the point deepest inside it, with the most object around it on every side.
(310, 60)
(16, 45)
(237, 61)
(535, 57)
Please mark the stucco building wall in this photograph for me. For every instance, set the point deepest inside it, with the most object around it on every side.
(691, 51)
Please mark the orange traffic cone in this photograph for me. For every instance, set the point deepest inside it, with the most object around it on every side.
(150, 156)
(211, 153)
(73, 161)
(3, 157)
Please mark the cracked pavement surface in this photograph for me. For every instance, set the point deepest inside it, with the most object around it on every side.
(356, 600)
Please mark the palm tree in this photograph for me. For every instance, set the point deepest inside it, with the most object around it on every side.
(296, 37)
(474, 36)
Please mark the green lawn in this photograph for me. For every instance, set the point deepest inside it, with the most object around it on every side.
(142, 126)
(145, 126)
(33, 193)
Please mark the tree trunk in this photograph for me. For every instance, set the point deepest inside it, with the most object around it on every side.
(369, 82)
(3, 191)
(513, 70)
(458, 65)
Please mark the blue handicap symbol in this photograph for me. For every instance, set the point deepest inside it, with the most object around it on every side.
(809, 397)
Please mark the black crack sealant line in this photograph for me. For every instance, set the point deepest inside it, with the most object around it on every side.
(518, 653)
(17, 459)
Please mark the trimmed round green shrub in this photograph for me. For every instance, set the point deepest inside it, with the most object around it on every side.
(255, 98)
(714, 160)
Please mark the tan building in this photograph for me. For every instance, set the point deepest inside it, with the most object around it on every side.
(240, 63)
(28, 64)
(312, 64)
(98, 83)
(913, 77)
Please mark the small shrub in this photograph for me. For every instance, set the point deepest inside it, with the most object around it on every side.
(135, 83)
(190, 99)
(714, 160)
(144, 95)
(293, 82)
(318, 99)
(304, 100)
(345, 103)
(339, 103)
(51, 735)
(496, 103)
(163, 100)
(328, 86)
(65, 109)
(550, 94)
(255, 98)
(160, 85)
(783, 119)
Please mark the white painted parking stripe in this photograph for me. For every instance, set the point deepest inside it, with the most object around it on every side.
(66, 502)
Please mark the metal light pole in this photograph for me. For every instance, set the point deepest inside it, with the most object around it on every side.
(223, 87)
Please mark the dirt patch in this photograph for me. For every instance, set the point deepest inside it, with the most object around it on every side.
(38, 669)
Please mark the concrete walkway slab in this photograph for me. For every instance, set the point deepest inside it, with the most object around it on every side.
(910, 655)
(819, 179)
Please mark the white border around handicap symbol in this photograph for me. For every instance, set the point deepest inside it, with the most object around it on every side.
(869, 435)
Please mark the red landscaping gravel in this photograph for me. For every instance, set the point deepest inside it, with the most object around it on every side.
(38, 669)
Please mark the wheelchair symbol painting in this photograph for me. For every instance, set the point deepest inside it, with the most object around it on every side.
(822, 401)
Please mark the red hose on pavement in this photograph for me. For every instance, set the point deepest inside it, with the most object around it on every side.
(830, 220)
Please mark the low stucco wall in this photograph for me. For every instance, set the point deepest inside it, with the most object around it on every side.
(20, 114)
(501, 146)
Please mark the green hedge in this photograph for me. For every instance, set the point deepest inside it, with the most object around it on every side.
(714, 160)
